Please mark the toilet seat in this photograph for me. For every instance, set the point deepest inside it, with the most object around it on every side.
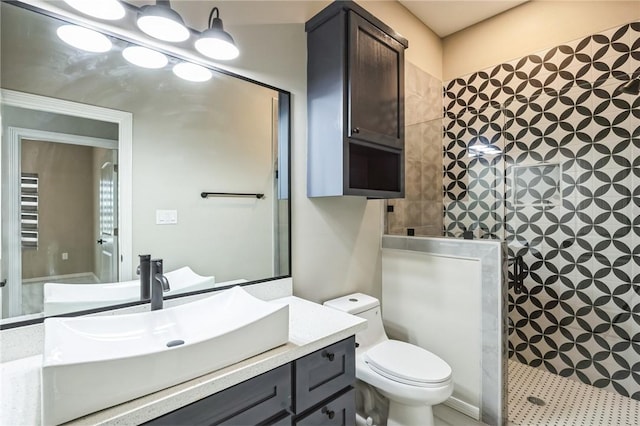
(409, 364)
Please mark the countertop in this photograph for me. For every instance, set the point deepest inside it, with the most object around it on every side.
(311, 327)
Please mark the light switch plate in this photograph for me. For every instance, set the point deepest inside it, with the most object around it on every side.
(166, 217)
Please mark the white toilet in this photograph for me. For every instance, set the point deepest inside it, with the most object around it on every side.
(413, 379)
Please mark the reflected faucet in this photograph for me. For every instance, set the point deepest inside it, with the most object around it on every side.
(159, 284)
(144, 270)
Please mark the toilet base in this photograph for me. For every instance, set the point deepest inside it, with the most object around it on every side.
(409, 415)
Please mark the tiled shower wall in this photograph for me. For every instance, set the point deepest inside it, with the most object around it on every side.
(421, 209)
(544, 152)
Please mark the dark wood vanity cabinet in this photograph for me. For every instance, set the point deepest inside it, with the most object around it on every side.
(355, 104)
(316, 389)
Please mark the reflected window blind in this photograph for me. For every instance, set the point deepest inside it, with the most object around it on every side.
(29, 210)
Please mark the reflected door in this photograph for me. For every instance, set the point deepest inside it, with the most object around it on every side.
(108, 271)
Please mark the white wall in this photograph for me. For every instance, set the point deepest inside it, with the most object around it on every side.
(530, 27)
(435, 302)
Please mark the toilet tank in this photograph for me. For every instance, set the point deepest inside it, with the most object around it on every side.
(363, 306)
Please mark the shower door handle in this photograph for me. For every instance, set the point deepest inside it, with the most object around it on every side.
(517, 274)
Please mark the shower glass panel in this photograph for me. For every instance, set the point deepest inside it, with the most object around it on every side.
(473, 166)
(571, 204)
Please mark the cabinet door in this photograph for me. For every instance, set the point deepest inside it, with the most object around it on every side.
(376, 85)
(337, 412)
(324, 373)
(263, 400)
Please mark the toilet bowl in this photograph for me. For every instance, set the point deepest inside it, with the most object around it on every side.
(412, 378)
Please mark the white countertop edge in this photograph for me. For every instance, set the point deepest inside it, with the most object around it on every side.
(312, 327)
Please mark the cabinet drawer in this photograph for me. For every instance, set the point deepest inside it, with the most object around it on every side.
(324, 373)
(340, 412)
(265, 399)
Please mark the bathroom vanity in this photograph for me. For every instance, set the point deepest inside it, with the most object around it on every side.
(314, 389)
(306, 381)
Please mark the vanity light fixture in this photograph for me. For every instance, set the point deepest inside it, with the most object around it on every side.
(631, 87)
(192, 72)
(84, 38)
(162, 22)
(145, 58)
(103, 9)
(215, 42)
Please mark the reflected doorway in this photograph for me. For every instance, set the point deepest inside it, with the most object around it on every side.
(69, 221)
(50, 127)
(106, 261)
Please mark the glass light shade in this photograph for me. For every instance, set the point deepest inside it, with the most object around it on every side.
(145, 58)
(191, 72)
(103, 9)
(84, 38)
(163, 23)
(217, 44)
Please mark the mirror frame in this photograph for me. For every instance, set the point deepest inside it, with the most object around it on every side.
(126, 131)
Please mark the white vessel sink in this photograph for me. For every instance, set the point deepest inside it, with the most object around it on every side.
(61, 298)
(91, 363)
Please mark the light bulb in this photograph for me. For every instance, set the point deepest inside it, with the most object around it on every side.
(84, 38)
(191, 72)
(143, 57)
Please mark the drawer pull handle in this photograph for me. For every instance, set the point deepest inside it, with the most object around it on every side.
(328, 355)
(330, 413)
(355, 130)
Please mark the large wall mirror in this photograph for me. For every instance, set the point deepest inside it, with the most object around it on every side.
(103, 161)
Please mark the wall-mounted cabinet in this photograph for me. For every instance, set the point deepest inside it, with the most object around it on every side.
(355, 104)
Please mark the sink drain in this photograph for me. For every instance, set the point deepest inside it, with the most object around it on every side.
(536, 401)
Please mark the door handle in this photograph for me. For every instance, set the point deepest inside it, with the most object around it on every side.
(3, 283)
(101, 241)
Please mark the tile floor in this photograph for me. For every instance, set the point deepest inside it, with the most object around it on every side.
(567, 402)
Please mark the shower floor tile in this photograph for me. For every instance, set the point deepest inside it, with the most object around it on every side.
(567, 402)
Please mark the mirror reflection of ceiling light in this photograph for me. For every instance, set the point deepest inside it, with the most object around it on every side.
(482, 150)
(215, 42)
(191, 72)
(162, 22)
(103, 9)
(145, 58)
(84, 38)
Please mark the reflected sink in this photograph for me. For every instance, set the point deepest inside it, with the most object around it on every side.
(60, 298)
(91, 363)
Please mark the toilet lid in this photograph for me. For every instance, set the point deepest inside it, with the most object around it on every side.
(407, 363)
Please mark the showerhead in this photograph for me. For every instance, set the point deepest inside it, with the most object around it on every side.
(631, 87)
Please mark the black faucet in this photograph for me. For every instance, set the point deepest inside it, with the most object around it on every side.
(144, 270)
(159, 284)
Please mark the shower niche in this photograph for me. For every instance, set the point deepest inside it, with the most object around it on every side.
(537, 185)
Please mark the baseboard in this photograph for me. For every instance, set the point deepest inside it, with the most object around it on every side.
(90, 275)
(463, 407)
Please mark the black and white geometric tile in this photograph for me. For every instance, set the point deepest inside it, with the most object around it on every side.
(544, 152)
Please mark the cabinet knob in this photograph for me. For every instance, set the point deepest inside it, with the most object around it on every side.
(328, 355)
(355, 130)
(330, 413)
